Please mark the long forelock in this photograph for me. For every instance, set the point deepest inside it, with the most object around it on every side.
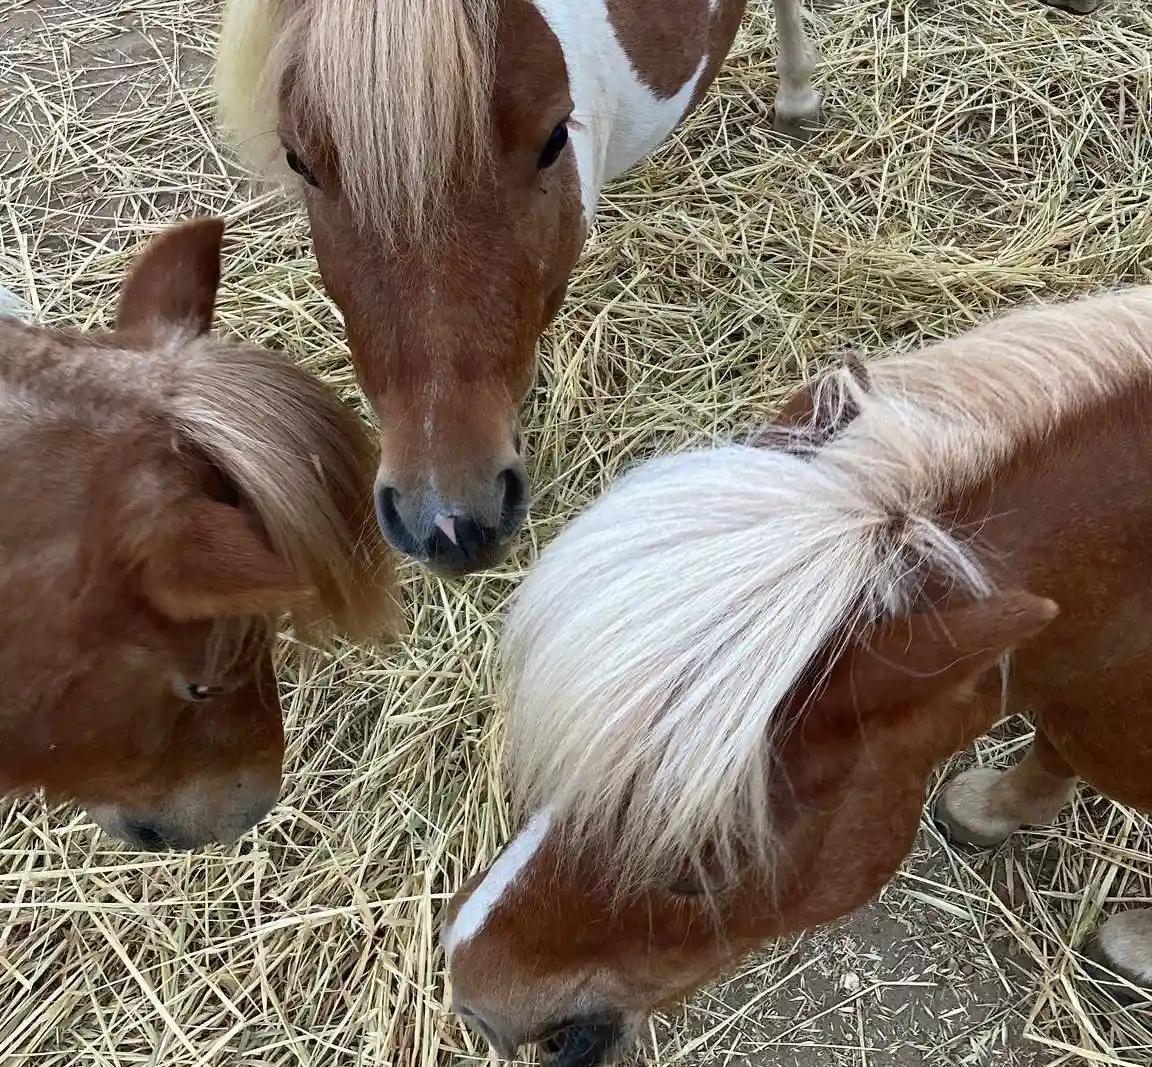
(402, 89)
(649, 654)
(305, 464)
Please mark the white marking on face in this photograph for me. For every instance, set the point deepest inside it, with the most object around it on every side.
(616, 119)
(432, 394)
(501, 876)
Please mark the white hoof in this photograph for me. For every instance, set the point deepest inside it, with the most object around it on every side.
(798, 114)
(964, 814)
(11, 304)
(1122, 947)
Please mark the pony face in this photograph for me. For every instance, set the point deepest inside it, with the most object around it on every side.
(168, 725)
(169, 499)
(544, 947)
(725, 725)
(164, 747)
(446, 286)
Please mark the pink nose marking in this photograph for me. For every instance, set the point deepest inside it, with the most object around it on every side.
(447, 524)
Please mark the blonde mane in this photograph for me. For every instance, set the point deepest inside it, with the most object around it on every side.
(647, 654)
(305, 463)
(402, 87)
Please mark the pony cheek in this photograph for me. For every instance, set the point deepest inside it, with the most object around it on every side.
(330, 234)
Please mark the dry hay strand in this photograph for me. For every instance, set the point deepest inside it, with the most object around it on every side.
(975, 156)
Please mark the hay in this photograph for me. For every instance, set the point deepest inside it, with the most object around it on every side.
(976, 155)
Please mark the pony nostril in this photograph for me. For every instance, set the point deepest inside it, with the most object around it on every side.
(588, 1044)
(147, 837)
(392, 526)
(513, 484)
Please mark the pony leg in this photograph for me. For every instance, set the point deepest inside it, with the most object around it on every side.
(983, 806)
(1075, 7)
(797, 103)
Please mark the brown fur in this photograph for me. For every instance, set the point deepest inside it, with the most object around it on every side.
(443, 331)
(1061, 523)
(166, 499)
(663, 40)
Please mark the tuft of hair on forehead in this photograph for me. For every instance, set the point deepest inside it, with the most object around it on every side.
(305, 463)
(403, 89)
(648, 655)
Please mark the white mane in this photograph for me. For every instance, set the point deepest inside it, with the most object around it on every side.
(647, 654)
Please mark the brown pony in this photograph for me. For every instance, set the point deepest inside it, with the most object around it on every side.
(166, 497)
(730, 679)
(452, 154)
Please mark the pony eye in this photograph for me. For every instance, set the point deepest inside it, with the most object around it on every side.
(553, 147)
(685, 887)
(196, 691)
(295, 164)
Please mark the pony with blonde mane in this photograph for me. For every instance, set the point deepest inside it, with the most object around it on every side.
(452, 154)
(730, 679)
(167, 499)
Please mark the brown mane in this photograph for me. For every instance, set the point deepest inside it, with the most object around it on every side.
(284, 442)
(298, 457)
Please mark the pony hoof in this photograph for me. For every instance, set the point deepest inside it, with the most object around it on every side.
(962, 812)
(1118, 957)
(798, 118)
(1074, 7)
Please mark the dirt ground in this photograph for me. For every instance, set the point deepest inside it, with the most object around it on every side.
(964, 959)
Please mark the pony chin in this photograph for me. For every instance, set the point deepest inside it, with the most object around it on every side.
(117, 823)
(592, 1043)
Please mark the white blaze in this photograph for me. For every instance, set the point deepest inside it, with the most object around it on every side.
(501, 876)
(616, 119)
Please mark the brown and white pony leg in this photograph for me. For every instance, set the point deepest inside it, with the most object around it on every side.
(984, 806)
(797, 103)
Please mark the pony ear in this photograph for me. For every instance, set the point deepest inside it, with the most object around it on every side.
(810, 416)
(913, 660)
(171, 287)
(216, 564)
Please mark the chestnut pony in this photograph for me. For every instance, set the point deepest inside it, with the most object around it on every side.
(452, 154)
(166, 498)
(730, 679)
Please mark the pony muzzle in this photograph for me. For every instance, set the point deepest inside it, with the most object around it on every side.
(192, 817)
(587, 1043)
(458, 533)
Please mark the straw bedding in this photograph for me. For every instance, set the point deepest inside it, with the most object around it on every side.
(975, 156)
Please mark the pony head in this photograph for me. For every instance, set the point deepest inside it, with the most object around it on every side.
(169, 498)
(430, 140)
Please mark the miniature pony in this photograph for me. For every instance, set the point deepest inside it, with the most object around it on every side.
(452, 154)
(730, 679)
(166, 499)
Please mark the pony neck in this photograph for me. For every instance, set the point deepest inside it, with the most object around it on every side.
(616, 118)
